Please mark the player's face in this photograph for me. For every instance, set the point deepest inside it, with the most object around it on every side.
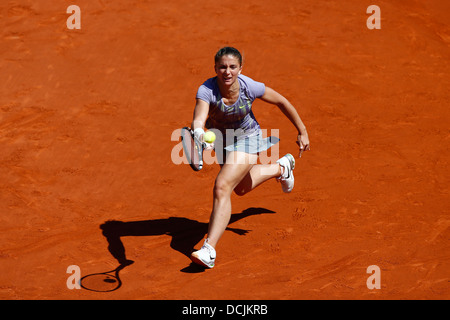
(227, 69)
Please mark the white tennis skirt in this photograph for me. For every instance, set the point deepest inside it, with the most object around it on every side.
(254, 144)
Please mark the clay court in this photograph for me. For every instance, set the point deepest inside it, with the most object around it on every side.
(86, 124)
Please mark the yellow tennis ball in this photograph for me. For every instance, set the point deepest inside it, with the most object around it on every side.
(209, 136)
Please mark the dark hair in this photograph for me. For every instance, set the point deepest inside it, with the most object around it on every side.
(228, 51)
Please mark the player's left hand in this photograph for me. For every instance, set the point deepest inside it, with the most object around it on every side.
(303, 143)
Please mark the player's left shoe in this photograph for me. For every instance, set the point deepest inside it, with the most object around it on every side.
(287, 177)
(206, 256)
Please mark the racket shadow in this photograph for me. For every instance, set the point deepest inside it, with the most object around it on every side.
(103, 281)
(185, 233)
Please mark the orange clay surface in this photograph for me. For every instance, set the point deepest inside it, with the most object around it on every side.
(86, 121)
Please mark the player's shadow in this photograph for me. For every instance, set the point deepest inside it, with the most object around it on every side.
(185, 233)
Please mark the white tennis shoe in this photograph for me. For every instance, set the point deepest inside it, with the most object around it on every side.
(287, 178)
(206, 256)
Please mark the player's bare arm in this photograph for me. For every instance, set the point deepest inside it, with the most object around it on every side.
(200, 114)
(273, 97)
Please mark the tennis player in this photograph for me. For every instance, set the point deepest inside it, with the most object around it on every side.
(224, 103)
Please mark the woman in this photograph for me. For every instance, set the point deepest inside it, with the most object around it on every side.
(224, 103)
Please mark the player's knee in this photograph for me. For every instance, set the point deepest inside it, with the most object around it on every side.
(222, 188)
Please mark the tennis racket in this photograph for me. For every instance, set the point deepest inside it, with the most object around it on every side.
(193, 148)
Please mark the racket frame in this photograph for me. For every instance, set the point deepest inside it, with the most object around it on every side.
(198, 147)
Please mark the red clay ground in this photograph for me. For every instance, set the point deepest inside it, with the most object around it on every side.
(86, 118)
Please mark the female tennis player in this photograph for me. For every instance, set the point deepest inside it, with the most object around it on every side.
(224, 103)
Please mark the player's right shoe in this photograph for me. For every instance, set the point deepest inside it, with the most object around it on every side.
(287, 177)
(206, 256)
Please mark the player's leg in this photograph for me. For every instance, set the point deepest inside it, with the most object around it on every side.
(257, 175)
(237, 166)
(282, 170)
